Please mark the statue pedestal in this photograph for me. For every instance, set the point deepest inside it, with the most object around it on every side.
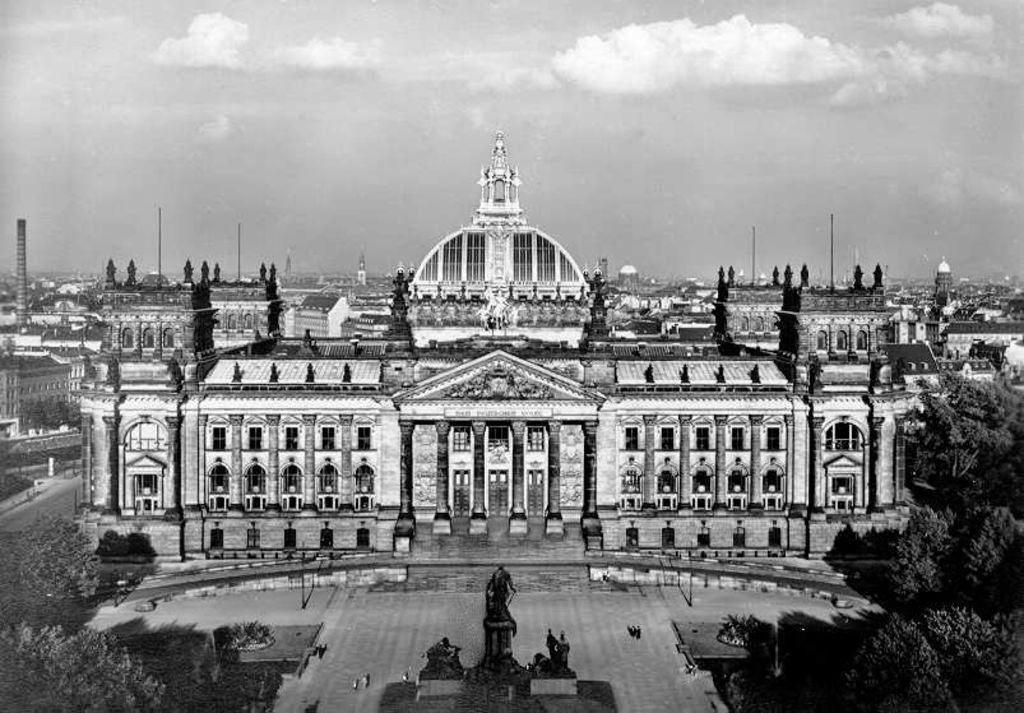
(478, 525)
(553, 687)
(497, 642)
(517, 525)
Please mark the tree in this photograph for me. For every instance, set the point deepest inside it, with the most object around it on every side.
(967, 435)
(989, 568)
(49, 670)
(975, 654)
(48, 569)
(898, 670)
(918, 570)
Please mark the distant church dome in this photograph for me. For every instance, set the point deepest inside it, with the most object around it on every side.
(627, 270)
(944, 266)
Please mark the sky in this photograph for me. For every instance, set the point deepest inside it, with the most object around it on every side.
(651, 133)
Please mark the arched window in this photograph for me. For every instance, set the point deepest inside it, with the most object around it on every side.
(822, 341)
(255, 479)
(231, 321)
(737, 481)
(148, 340)
(291, 479)
(127, 338)
(862, 341)
(499, 191)
(841, 342)
(631, 479)
(757, 324)
(327, 479)
(364, 479)
(168, 340)
(702, 481)
(666, 482)
(219, 477)
(146, 436)
(248, 321)
(842, 436)
(744, 324)
(773, 480)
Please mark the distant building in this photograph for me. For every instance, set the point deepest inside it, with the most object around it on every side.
(319, 315)
(943, 284)
(629, 277)
(960, 337)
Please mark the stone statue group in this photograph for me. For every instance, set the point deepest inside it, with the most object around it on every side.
(557, 660)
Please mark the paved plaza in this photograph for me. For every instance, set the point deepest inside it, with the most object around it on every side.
(385, 634)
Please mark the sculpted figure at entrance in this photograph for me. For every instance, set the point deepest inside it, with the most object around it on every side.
(500, 592)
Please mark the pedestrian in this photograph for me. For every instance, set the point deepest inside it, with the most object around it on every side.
(366, 680)
(638, 632)
(355, 684)
(320, 651)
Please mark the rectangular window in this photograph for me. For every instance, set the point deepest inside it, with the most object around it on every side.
(498, 437)
(704, 538)
(475, 257)
(252, 538)
(522, 257)
(703, 438)
(736, 438)
(327, 438)
(255, 442)
(535, 438)
(291, 438)
(219, 438)
(774, 438)
(460, 438)
(668, 439)
(632, 438)
(289, 538)
(363, 441)
(545, 260)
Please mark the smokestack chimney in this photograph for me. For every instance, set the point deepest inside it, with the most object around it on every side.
(22, 306)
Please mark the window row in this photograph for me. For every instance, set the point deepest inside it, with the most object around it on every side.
(147, 339)
(253, 538)
(254, 438)
(292, 493)
(232, 321)
(738, 438)
(842, 341)
(668, 537)
(498, 437)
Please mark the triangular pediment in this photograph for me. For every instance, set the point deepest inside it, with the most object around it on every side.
(842, 461)
(498, 376)
(146, 461)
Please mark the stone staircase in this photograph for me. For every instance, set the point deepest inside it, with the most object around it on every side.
(472, 579)
(498, 546)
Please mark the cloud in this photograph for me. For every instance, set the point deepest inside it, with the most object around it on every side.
(328, 55)
(662, 56)
(213, 40)
(955, 187)
(659, 56)
(216, 130)
(516, 78)
(941, 20)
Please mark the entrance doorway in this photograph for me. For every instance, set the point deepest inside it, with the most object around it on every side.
(497, 495)
(535, 492)
(460, 493)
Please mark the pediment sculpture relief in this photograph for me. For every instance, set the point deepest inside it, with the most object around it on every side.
(498, 384)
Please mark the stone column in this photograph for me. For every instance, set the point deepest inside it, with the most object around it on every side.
(790, 489)
(174, 467)
(590, 469)
(405, 510)
(113, 504)
(874, 487)
(85, 497)
(346, 486)
(592, 531)
(554, 519)
(235, 485)
(273, 463)
(685, 480)
(900, 461)
(815, 485)
(442, 516)
(309, 465)
(649, 465)
(720, 479)
(517, 522)
(201, 479)
(479, 511)
(862, 485)
(756, 484)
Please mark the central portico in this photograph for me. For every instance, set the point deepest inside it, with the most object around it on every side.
(497, 440)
